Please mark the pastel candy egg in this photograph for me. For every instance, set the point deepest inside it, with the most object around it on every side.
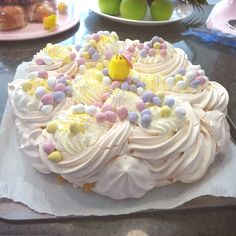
(106, 80)
(163, 46)
(55, 156)
(58, 96)
(147, 96)
(201, 79)
(146, 120)
(47, 60)
(194, 83)
(105, 71)
(163, 52)
(165, 111)
(161, 95)
(82, 69)
(140, 91)
(69, 90)
(26, 86)
(141, 84)
(140, 46)
(133, 88)
(115, 84)
(52, 127)
(91, 51)
(91, 110)
(95, 56)
(96, 37)
(100, 117)
(131, 49)
(51, 82)
(59, 76)
(181, 84)
(72, 56)
(190, 76)
(201, 72)
(108, 55)
(78, 109)
(39, 61)
(133, 117)
(107, 107)
(178, 77)
(92, 43)
(97, 104)
(157, 45)
(128, 80)
(110, 116)
(81, 61)
(140, 106)
(182, 71)
(62, 80)
(43, 74)
(143, 53)
(48, 147)
(170, 81)
(169, 101)
(180, 111)
(122, 112)
(46, 109)
(149, 44)
(85, 55)
(74, 128)
(146, 112)
(99, 76)
(47, 99)
(156, 101)
(39, 92)
(125, 86)
(151, 52)
(60, 87)
(135, 79)
(155, 39)
(78, 47)
(105, 96)
(161, 40)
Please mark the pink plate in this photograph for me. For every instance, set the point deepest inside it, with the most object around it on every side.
(36, 30)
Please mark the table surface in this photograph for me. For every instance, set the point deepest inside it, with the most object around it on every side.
(218, 62)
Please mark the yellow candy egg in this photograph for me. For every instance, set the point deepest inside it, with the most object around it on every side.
(99, 76)
(52, 127)
(157, 45)
(165, 111)
(55, 156)
(92, 43)
(85, 55)
(99, 66)
(178, 77)
(119, 68)
(67, 59)
(26, 86)
(75, 128)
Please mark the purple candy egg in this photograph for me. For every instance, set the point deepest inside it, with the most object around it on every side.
(141, 84)
(133, 117)
(169, 101)
(105, 71)
(147, 96)
(143, 53)
(58, 96)
(146, 120)
(69, 90)
(81, 61)
(156, 101)
(62, 80)
(100, 117)
(194, 83)
(95, 56)
(125, 86)
(60, 87)
(133, 88)
(140, 106)
(48, 147)
(47, 99)
(91, 50)
(155, 39)
(146, 112)
(182, 71)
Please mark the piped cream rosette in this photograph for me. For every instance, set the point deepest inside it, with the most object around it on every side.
(155, 57)
(55, 57)
(192, 85)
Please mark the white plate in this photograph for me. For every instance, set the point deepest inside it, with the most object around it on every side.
(36, 30)
(181, 11)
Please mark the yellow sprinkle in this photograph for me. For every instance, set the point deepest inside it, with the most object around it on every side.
(52, 127)
(26, 86)
(165, 111)
(50, 22)
(157, 45)
(55, 156)
(99, 66)
(62, 8)
(85, 55)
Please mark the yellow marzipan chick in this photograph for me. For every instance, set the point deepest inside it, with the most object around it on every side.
(50, 23)
(119, 68)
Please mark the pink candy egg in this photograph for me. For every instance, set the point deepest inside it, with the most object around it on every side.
(151, 52)
(40, 61)
(100, 117)
(108, 55)
(131, 49)
(107, 107)
(115, 84)
(105, 96)
(72, 56)
(81, 61)
(43, 74)
(48, 147)
(122, 113)
(163, 46)
(97, 104)
(140, 46)
(110, 116)
(47, 99)
(163, 52)
(140, 106)
(60, 87)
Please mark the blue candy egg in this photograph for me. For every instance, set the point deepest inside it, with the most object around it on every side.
(156, 101)
(155, 39)
(141, 84)
(133, 117)
(169, 101)
(105, 71)
(146, 120)
(147, 96)
(143, 53)
(95, 56)
(125, 86)
(182, 71)
(146, 112)
(194, 83)
(58, 96)
(133, 88)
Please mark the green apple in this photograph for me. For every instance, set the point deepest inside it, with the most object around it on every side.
(161, 10)
(133, 9)
(110, 7)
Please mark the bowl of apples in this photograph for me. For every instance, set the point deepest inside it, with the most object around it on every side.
(142, 12)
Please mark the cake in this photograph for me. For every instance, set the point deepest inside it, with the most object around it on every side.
(119, 117)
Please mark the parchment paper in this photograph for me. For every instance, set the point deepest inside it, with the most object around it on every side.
(44, 194)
